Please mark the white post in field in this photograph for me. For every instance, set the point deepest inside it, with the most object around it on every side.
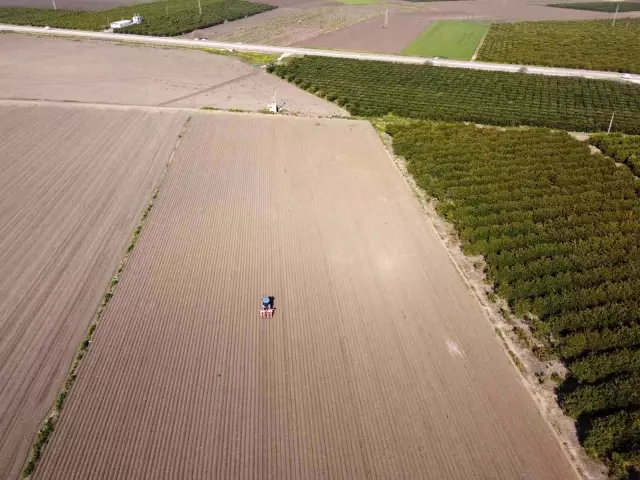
(611, 122)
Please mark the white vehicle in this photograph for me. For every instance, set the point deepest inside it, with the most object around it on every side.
(626, 76)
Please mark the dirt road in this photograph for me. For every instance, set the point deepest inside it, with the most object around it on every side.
(377, 364)
(72, 186)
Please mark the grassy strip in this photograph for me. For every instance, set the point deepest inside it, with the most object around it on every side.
(595, 45)
(160, 18)
(372, 89)
(448, 39)
(47, 428)
(609, 7)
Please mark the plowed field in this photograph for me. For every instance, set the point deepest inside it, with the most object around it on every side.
(377, 364)
(72, 186)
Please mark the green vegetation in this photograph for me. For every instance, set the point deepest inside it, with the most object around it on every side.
(622, 148)
(255, 58)
(360, 2)
(160, 18)
(601, 6)
(559, 230)
(369, 88)
(594, 45)
(454, 40)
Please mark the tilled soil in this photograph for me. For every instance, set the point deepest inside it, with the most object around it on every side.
(72, 187)
(378, 362)
(403, 28)
(45, 68)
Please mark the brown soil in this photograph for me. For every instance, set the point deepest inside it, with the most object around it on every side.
(101, 72)
(359, 27)
(378, 363)
(370, 36)
(299, 24)
(71, 4)
(72, 187)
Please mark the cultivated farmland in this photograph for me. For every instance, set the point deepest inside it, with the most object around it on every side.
(610, 7)
(559, 229)
(46, 68)
(447, 39)
(370, 88)
(301, 24)
(160, 17)
(68, 204)
(622, 148)
(592, 45)
(377, 364)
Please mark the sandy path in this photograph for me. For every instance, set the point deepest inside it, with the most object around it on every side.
(377, 364)
(68, 203)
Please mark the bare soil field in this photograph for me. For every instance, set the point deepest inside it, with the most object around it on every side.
(378, 363)
(359, 27)
(100, 72)
(368, 35)
(507, 10)
(71, 4)
(68, 204)
(299, 24)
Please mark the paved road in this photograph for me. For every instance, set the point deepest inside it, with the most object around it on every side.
(241, 47)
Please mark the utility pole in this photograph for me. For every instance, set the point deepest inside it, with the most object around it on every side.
(200, 7)
(611, 122)
(54, 4)
(615, 15)
(386, 17)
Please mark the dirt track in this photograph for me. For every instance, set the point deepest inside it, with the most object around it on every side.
(71, 4)
(68, 204)
(377, 364)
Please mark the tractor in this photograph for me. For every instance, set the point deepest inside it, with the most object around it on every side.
(267, 307)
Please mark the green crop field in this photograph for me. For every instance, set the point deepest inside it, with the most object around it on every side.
(594, 45)
(447, 39)
(622, 148)
(369, 88)
(601, 6)
(160, 18)
(559, 229)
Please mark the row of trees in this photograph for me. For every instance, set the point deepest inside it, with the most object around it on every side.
(559, 229)
(595, 45)
(370, 88)
(623, 148)
(162, 18)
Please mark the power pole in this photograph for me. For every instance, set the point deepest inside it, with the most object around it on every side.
(200, 7)
(54, 4)
(611, 122)
(615, 15)
(386, 17)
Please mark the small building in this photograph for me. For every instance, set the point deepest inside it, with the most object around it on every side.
(136, 20)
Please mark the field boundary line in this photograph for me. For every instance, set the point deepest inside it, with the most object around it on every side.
(44, 433)
(475, 54)
(546, 405)
(27, 102)
(208, 89)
